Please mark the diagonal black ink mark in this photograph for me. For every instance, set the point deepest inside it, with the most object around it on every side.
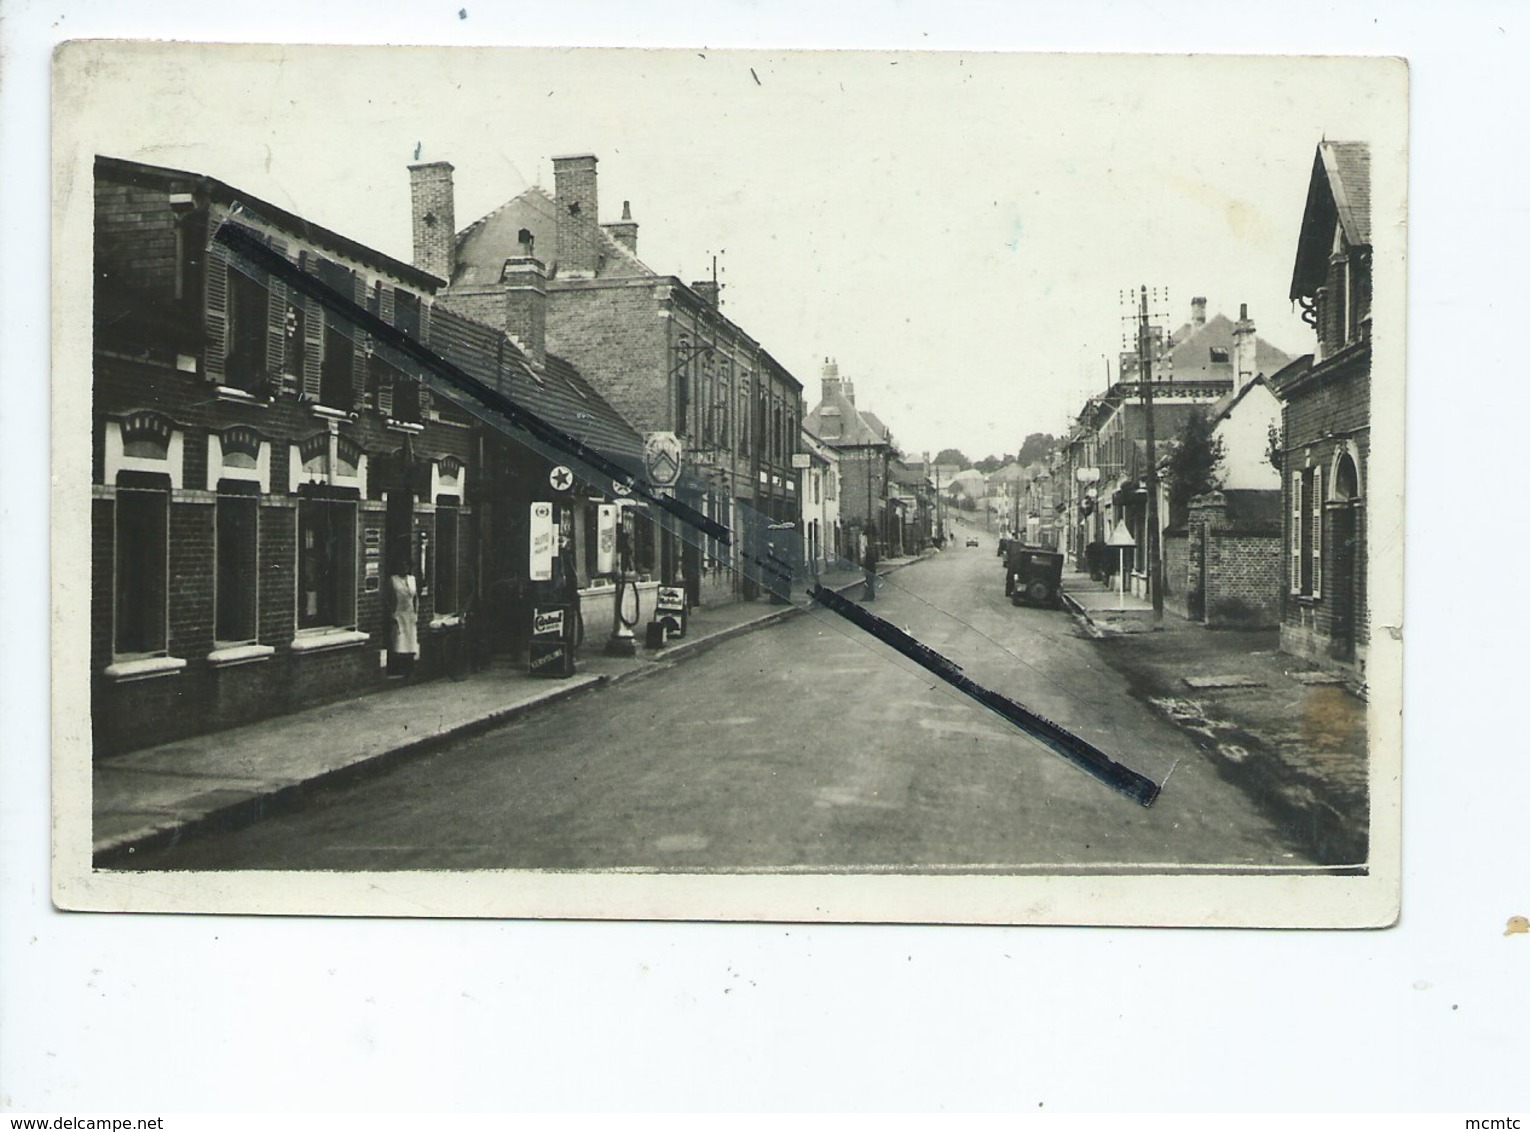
(248, 245)
(1081, 753)
(776, 572)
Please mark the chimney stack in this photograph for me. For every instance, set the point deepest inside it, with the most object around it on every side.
(707, 290)
(435, 218)
(624, 231)
(830, 380)
(1197, 313)
(1245, 351)
(525, 283)
(574, 192)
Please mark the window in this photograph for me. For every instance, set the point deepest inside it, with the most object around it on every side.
(1307, 532)
(141, 587)
(237, 573)
(326, 562)
(447, 555)
(338, 351)
(1218, 354)
(248, 306)
(297, 336)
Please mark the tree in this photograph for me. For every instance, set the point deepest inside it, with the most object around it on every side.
(1037, 446)
(953, 456)
(1191, 465)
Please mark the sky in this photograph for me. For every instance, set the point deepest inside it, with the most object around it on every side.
(954, 229)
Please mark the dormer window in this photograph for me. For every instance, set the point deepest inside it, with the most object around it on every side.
(1218, 354)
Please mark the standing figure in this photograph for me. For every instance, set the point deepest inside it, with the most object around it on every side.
(403, 625)
(869, 563)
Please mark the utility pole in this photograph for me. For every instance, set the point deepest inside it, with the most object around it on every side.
(1145, 355)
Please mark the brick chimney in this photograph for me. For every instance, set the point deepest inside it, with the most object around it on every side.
(435, 218)
(831, 385)
(525, 283)
(578, 207)
(1245, 351)
(1197, 313)
(707, 290)
(624, 231)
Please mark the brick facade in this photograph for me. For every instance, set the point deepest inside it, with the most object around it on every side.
(199, 406)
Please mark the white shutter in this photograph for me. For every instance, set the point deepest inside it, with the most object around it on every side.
(1317, 532)
(276, 318)
(1296, 532)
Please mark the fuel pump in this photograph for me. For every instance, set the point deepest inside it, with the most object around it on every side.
(623, 642)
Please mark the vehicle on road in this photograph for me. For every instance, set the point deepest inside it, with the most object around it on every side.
(972, 542)
(1033, 575)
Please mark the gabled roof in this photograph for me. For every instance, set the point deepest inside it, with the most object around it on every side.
(853, 427)
(559, 393)
(1230, 401)
(1339, 192)
(178, 180)
(484, 245)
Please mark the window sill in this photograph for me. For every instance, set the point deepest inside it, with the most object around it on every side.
(319, 639)
(412, 427)
(147, 668)
(231, 655)
(238, 396)
(446, 621)
(325, 412)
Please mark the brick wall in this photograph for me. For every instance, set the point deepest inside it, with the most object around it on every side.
(1178, 578)
(1322, 418)
(619, 342)
(1233, 572)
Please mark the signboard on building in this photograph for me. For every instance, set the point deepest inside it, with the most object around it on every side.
(561, 479)
(543, 545)
(605, 538)
(801, 460)
(662, 456)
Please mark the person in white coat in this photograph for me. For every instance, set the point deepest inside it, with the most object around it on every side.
(403, 625)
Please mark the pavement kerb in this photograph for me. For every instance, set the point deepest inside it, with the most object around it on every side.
(246, 810)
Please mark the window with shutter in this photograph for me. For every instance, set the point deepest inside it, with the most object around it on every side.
(1295, 527)
(216, 346)
(1317, 532)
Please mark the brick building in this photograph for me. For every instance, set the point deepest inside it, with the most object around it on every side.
(1326, 418)
(866, 455)
(661, 352)
(257, 467)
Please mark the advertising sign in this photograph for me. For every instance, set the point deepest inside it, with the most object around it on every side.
(671, 599)
(543, 547)
(547, 623)
(605, 538)
(662, 454)
(549, 658)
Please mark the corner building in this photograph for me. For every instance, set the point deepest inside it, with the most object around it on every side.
(256, 467)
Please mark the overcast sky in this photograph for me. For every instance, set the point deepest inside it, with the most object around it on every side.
(955, 229)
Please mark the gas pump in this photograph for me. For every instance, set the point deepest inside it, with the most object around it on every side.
(622, 641)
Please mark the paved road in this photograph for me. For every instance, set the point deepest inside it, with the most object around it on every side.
(806, 745)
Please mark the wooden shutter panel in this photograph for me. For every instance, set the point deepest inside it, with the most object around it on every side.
(1296, 531)
(276, 318)
(1317, 532)
(216, 347)
(359, 355)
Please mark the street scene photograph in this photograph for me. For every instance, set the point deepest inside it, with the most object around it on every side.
(626, 465)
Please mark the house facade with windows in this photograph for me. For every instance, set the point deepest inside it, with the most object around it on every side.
(258, 468)
(1325, 442)
(822, 539)
(660, 351)
(866, 454)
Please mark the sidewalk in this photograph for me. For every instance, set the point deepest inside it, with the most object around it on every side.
(229, 778)
(1288, 734)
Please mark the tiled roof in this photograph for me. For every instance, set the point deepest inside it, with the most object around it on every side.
(559, 394)
(484, 245)
(1338, 190)
(847, 425)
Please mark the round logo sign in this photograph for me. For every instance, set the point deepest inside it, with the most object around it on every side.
(620, 489)
(561, 478)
